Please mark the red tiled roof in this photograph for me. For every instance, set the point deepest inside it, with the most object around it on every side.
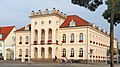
(5, 31)
(78, 21)
(23, 28)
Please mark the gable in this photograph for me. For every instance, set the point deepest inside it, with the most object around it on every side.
(5, 31)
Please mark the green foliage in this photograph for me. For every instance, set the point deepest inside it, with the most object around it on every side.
(92, 5)
(107, 12)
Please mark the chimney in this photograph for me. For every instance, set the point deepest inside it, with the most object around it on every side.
(53, 10)
(39, 12)
(46, 11)
(32, 13)
(58, 12)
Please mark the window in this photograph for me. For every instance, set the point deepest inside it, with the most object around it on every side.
(20, 42)
(35, 23)
(90, 38)
(72, 38)
(27, 40)
(20, 53)
(72, 23)
(81, 52)
(81, 37)
(57, 22)
(50, 21)
(13, 38)
(64, 52)
(1, 36)
(72, 52)
(64, 38)
(26, 53)
(42, 22)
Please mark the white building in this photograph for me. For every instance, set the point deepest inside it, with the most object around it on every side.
(55, 34)
(7, 42)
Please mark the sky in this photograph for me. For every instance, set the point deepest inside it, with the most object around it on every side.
(17, 12)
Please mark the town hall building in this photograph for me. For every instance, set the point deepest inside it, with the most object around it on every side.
(53, 33)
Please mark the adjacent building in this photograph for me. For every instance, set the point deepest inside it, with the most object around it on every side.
(53, 34)
(7, 43)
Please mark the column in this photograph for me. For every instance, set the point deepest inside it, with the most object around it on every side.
(53, 36)
(39, 52)
(46, 35)
(46, 52)
(39, 36)
(32, 52)
(53, 52)
(32, 36)
(23, 56)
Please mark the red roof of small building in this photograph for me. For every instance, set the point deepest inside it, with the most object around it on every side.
(78, 21)
(23, 28)
(6, 31)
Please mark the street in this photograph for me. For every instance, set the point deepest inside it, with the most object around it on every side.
(56, 65)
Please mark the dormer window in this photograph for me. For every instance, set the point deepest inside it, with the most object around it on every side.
(72, 23)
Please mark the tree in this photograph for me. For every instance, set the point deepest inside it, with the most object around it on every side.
(107, 12)
(112, 14)
(92, 5)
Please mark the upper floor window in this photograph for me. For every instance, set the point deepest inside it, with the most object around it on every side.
(13, 38)
(27, 40)
(42, 22)
(81, 52)
(72, 52)
(50, 21)
(81, 37)
(72, 38)
(35, 23)
(64, 38)
(1, 35)
(57, 22)
(20, 40)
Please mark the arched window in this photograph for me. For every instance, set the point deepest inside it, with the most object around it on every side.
(27, 40)
(72, 38)
(64, 38)
(93, 39)
(49, 36)
(35, 52)
(35, 37)
(42, 36)
(64, 52)
(81, 52)
(90, 38)
(72, 52)
(26, 53)
(81, 37)
(20, 53)
(20, 40)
